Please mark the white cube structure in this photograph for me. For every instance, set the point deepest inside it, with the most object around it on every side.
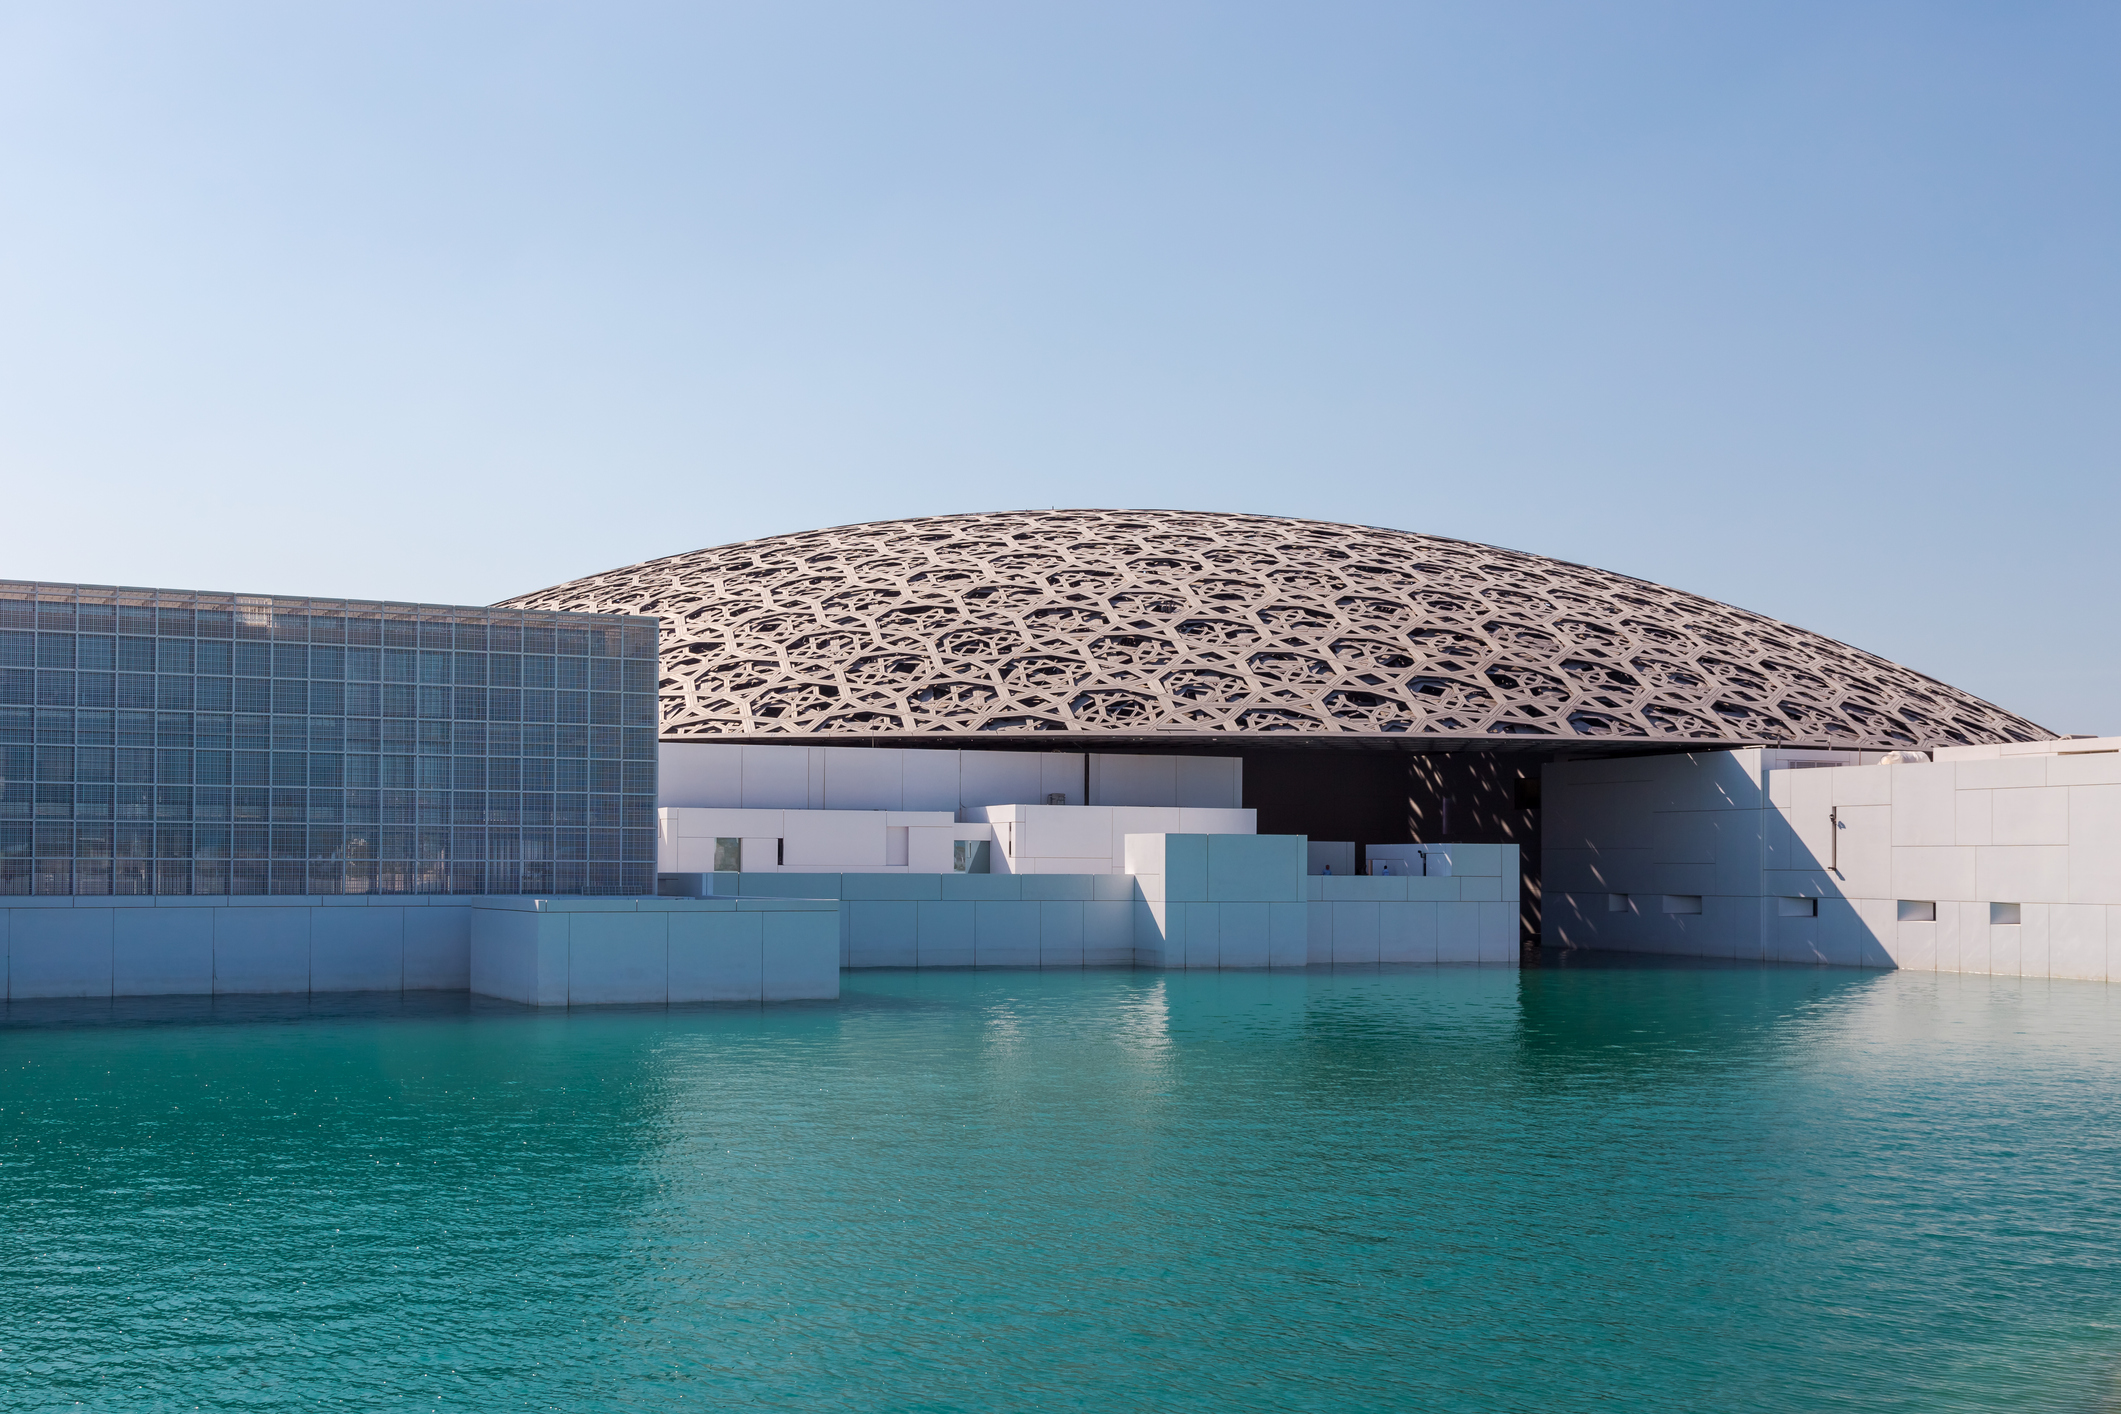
(1998, 859)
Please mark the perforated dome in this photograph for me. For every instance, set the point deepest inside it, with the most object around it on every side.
(1169, 625)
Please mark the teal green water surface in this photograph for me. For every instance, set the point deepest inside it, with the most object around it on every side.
(1644, 1187)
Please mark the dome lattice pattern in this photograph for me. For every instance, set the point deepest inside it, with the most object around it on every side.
(1124, 623)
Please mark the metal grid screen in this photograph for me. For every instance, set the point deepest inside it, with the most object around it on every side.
(167, 742)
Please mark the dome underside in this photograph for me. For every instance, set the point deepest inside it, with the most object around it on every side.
(1223, 627)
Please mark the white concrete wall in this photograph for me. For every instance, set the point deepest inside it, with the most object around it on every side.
(1469, 915)
(1210, 782)
(1099, 920)
(168, 946)
(1069, 839)
(126, 947)
(812, 841)
(734, 776)
(587, 951)
(1764, 855)
(1215, 901)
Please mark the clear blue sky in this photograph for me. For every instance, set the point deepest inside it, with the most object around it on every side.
(1814, 308)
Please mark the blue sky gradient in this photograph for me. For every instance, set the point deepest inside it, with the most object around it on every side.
(1812, 308)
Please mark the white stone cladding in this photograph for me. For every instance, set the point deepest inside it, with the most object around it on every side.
(736, 776)
(1092, 839)
(1835, 858)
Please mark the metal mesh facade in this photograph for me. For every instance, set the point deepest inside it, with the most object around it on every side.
(165, 742)
(1164, 625)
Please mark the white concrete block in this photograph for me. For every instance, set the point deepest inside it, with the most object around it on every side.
(261, 949)
(1318, 933)
(1914, 946)
(1062, 774)
(802, 955)
(1355, 930)
(2103, 769)
(1681, 837)
(2002, 774)
(699, 773)
(2077, 941)
(1972, 816)
(2030, 816)
(776, 777)
(1862, 785)
(1246, 934)
(1133, 780)
(1198, 820)
(357, 950)
(857, 778)
(1866, 856)
(1458, 932)
(2094, 852)
(1924, 812)
(2033, 948)
(2006, 950)
(158, 952)
(518, 956)
(1499, 932)
(621, 958)
(1108, 933)
(1288, 934)
(2023, 874)
(1202, 925)
(1060, 932)
(1209, 782)
(1255, 868)
(1935, 873)
(1840, 933)
(1975, 954)
(437, 954)
(947, 936)
(929, 780)
(719, 956)
(1000, 778)
(1006, 934)
(1080, 833)
(882, 932)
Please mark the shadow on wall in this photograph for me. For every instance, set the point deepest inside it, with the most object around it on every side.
(1399, 798)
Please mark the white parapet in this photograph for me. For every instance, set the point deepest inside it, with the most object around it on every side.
(588, 951)
(731, 775)
(540, 951)
(1092, 839)
(704, 841)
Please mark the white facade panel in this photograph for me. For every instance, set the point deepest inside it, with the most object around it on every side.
(1906, 862)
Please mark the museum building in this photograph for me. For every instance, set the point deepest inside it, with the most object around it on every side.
(1048, 738)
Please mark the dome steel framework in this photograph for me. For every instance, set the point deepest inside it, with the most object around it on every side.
(1223, 628)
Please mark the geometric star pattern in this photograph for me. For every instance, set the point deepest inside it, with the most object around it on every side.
(1170, 624)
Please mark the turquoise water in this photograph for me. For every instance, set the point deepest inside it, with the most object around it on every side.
(1649, 1187)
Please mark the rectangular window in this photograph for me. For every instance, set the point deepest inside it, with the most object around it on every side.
(1682, 903)
(1918, 910)
(1797, 907)
(971, 857)
(2004, 914)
